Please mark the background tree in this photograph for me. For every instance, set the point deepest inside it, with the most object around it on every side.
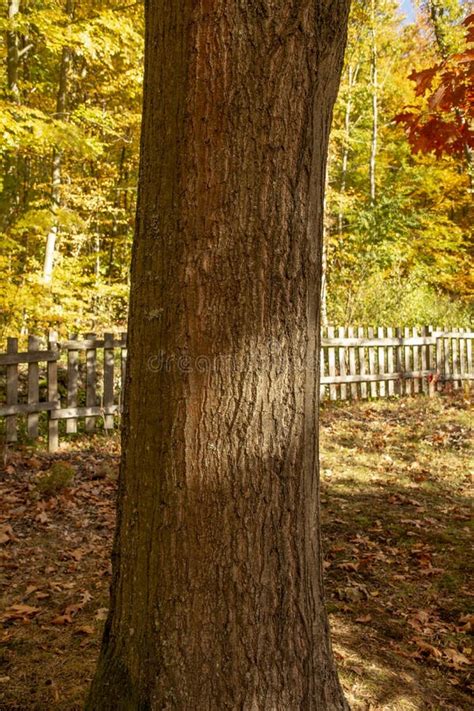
(217, 596)
(69, 116)
(403, 258)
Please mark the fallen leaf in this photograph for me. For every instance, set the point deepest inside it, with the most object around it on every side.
(85, 629)
(364, 619)
(20, 612)
(456, 657)
(427, 648)
(6, 534)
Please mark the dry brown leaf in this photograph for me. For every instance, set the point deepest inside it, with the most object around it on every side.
(456, 657)
(427, 648)
(6, 534)
(85, 629)
(20, 612)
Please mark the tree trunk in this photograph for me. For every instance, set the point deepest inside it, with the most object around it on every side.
(217, 598)
(375, 106)
(9, 201)
(13, 54)
(351, 82)
(61, 103)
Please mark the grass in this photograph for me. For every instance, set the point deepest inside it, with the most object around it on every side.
(395, 515)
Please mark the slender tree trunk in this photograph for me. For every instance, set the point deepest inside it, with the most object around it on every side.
(10, 192)
(217, 597)
(351, 82)
(325, 248)
(13, 54)
(375, 106)
(61, 105)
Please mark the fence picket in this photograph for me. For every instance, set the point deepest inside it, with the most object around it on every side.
(322, 367)
(390, 364)
(332, 365)
(462, 356)
(447, 357)
(352, 364)
(362, 364)
(381, 360)
(34, 344)
(72, 382)
(425, 360)
(455, 351)
(407, 364)
(416, 362)
(373, 384)
(12, 390)
(341, 332)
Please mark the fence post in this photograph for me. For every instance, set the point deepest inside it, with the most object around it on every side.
(34, 344)
(52, 369)
(332, 366)
(352, 363)
(91, 375)
(108, 378)
(12, 390)
(72, 383)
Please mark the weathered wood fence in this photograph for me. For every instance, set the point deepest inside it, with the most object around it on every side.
(84, 378)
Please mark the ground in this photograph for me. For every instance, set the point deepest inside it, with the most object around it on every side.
(395, 488)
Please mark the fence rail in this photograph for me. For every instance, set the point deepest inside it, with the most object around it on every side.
(84, 378)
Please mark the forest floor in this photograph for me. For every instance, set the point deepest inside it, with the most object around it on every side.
(396, 511)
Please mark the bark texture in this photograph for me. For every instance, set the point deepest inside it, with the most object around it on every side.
(217, 598)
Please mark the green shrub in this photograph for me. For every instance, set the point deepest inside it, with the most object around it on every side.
(59, 477)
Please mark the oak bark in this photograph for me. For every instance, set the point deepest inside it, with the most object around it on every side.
(217, 595)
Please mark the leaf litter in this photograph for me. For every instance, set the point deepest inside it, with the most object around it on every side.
(395, 515)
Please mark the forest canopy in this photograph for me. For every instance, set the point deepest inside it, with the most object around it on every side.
(398, 217)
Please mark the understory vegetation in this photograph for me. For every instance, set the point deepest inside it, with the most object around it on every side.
(396, 516)
(398, 218)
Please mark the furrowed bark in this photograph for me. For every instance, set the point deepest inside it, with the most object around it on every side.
(217, 597)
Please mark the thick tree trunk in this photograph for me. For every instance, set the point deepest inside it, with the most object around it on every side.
(217, 599)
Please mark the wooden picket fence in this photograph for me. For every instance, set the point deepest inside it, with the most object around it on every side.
(359, 363)
(84, 378)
